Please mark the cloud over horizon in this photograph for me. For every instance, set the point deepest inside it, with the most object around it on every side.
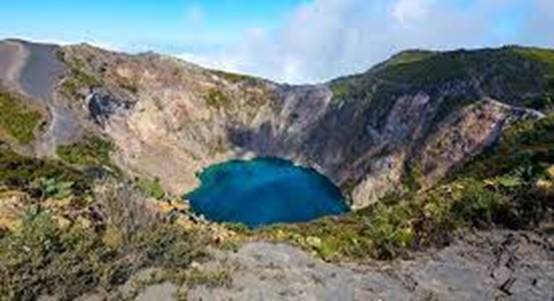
(324, 39)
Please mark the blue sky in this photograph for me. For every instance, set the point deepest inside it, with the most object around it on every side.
(286, 40)
(127, 23)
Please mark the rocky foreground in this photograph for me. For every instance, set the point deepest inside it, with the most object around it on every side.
(499, 265)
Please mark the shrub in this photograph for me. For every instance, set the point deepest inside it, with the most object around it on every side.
(233, 77)
(153, 188)
(479, 205)
(78, 78)
(28, 174)
(215, 98)
(40, 258)
(90, 151)
(16, 119)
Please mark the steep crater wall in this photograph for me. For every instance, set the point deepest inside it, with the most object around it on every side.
(404, 124)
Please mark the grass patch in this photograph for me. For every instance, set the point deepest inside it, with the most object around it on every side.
(78, 78)
(409, 56)
(77, 81)
(152, 188)
(233, 77)
(215, 98)
(90, 151)
(16, 119)
(30, 174)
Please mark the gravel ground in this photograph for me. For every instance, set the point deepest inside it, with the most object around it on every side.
(497, 265)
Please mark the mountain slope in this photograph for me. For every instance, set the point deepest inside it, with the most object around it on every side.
(371, 133)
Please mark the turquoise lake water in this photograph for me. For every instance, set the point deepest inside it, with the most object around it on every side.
(264, 191)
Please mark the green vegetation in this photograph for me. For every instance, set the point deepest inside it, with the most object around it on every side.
(340, 90)
(545, 56)
(216, 278)
(30, 174)
(233, 77)
(43, 258)
(78, 78)
(53, 188)
(410, 56)
(16, 119)
(195, 277)
(515, 75)
(498, 189)
(215, 98)
(152, 188)
(90, 151)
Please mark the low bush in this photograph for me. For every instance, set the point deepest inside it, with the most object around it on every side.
(89, 151)
(153, 188)
(39, 176)
(16, 119)
(215, 98)
(42, 258)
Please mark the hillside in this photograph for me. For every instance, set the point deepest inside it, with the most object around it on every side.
(369, 133)
(446, 152)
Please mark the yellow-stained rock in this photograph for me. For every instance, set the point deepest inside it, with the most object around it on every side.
(550, 172)
(12, 207)
(545, 186)
(63, 222)
(113, 237)
(57, 203)
(314, 241)
(84, 222)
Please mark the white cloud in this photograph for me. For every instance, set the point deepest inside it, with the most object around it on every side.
(324, 39)
(409, 10)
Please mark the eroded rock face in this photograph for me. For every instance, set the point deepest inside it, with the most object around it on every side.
(102, 106)
(169, 119)
(464, 135)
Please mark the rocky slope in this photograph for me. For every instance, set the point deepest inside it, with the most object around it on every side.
(404, 123)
